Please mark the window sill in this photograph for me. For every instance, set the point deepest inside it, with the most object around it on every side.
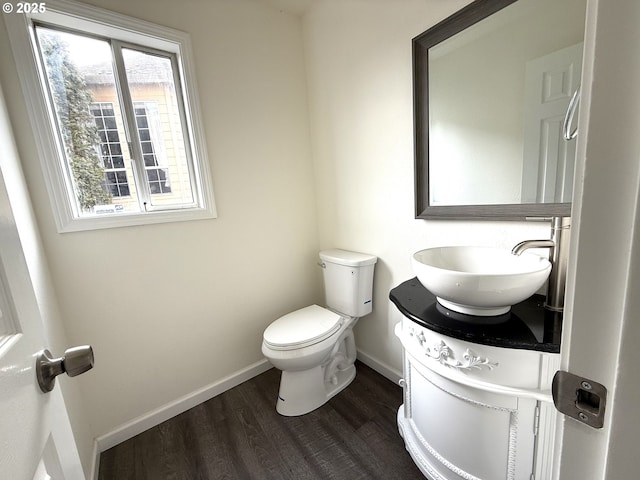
(135, 219)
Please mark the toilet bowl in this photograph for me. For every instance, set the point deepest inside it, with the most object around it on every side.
(314, 346)
(316, 357)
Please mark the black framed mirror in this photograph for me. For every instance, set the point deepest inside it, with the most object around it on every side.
(492, 84)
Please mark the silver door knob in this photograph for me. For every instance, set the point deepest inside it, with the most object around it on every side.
(76, 360)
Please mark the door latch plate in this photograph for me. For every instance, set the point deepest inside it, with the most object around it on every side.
(579, 398)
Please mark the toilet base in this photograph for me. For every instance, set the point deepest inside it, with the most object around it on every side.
(303, 391)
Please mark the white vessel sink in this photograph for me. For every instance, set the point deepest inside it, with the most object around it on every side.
(483, 281)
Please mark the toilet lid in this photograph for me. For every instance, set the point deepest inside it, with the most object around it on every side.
(302, 328)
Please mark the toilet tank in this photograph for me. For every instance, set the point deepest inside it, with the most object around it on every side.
(348, 281)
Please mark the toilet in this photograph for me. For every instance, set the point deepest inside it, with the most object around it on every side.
(314, 346)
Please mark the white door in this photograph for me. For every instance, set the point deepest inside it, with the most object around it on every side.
(35, 434)
(548, 160)
(601, 332)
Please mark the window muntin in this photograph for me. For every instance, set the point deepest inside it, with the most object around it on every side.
(115, 165)
(111, 149)
(150, 134)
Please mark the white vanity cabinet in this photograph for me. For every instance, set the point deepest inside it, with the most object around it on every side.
(474, 411)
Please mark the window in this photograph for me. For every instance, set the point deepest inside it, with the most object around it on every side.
(118, 109)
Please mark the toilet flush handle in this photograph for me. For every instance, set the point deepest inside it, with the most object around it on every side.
(322, 264)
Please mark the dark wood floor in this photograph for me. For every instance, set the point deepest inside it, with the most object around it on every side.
(239, 435)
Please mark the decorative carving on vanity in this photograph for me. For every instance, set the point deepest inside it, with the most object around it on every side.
(444, 354)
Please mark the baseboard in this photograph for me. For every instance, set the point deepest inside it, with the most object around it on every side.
(380, 367)
(170, 410)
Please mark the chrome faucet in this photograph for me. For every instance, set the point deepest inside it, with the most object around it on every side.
(558, 247)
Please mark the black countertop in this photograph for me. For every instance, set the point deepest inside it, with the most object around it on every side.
(527, 326)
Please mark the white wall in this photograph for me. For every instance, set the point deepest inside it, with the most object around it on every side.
(358, 55)
(175, 307)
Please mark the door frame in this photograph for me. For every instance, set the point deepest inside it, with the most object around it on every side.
(602, 306)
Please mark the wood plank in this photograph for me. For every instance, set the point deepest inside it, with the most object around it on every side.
(239, 435)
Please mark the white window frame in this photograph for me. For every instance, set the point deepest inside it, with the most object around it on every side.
(77, 16)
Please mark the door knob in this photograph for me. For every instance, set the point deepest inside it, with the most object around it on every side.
(76, 360)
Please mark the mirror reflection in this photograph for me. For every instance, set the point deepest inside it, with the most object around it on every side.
(498, 92)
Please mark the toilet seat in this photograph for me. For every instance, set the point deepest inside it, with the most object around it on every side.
(302, 328)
